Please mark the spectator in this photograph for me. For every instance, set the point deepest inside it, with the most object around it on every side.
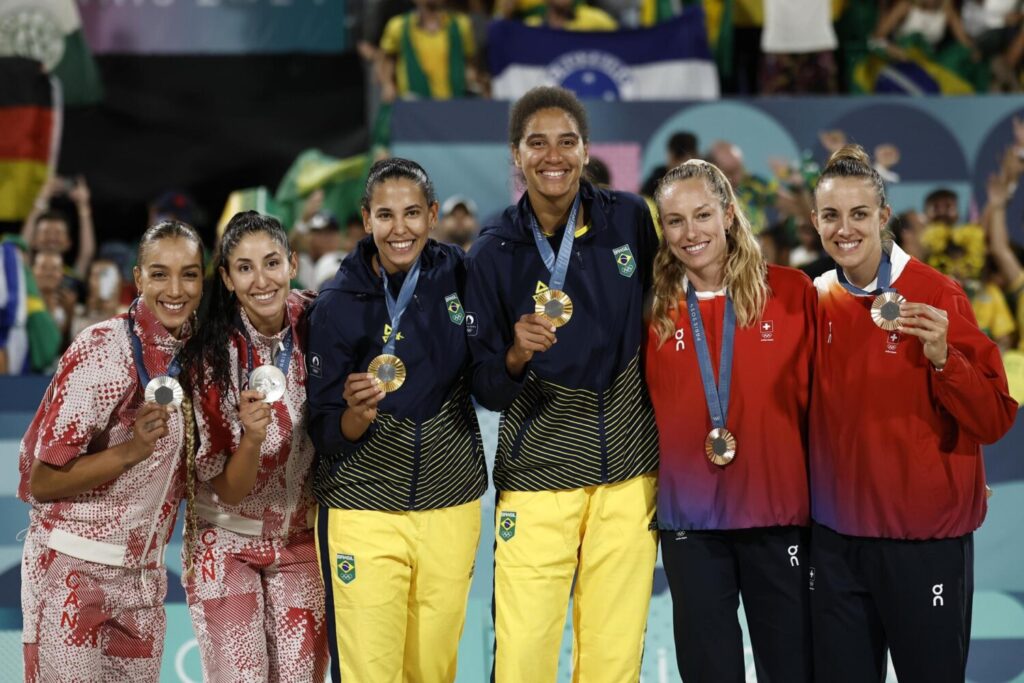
(427, 53)
(681, 147)
(959, 251)
(354, 231)
(756, 194)
(569, 15)
(931, 31)
(322, 252)
(907, 228)
(103, 297)
(1005, 259)
(799, 44)
(173, 205)
(459, 224)
(995, 27)
(59, 299)
(597, 172)
(47, 229)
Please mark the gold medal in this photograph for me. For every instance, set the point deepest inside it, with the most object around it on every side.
(270, 380)
(165, 391)
(720, 446)
(388, 370)
(555, 305)
(885, 310)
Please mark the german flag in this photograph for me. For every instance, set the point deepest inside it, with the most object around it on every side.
(28, 133)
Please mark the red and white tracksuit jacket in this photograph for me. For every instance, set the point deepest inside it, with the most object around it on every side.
(93, 577)
(255, 593)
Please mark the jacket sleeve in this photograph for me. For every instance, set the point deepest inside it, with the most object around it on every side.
(972, 386)
(93, 377)
(493, 332)
(329, 361)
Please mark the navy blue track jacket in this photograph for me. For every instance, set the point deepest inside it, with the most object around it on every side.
(580, 415)
(424, 450)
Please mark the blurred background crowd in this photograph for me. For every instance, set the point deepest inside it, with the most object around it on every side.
(67, 266)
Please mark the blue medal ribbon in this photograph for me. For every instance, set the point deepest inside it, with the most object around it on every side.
(560, 266)
(281, 360)
(717, 396)
(884, 278)
(397, 308)
(173, 369)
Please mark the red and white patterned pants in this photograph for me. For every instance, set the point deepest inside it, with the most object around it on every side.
(257, 607)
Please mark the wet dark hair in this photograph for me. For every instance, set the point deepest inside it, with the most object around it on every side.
(169, 229)
(546, 97)
(396, 168)
(209, 348)
(851, 161)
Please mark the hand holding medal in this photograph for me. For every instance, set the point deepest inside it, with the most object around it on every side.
(254, 414)
(930, 325)
(150, 426)
(362, 393)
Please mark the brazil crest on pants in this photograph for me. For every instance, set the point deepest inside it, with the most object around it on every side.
(507, 525)
(346, 568)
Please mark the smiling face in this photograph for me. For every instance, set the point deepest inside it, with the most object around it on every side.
(400, 220)
(551, 154)
(258, 272)
(849, 220)
(170, 280)
(695, 226)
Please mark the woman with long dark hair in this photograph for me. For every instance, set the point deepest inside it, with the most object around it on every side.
(251, 575)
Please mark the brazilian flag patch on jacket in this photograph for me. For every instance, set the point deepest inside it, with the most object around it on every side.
(624, 260)
(454, 306)
(346, 568)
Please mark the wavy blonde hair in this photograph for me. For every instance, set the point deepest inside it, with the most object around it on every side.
(745, 268)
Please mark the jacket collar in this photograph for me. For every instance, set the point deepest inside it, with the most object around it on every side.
(516, 221)
(356, 274)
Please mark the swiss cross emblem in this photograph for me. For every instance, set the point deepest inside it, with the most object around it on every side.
(892, 342)
(767, 328)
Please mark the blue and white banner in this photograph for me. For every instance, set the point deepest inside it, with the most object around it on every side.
(671, 61)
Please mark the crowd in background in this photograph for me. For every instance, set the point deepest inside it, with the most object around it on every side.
(68, 281)
(437, 49)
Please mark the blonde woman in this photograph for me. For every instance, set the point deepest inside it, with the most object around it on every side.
(728, 363)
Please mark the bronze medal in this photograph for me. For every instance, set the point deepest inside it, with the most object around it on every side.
(555, 305)
(388, 370)
(720, 446)
(885, 310)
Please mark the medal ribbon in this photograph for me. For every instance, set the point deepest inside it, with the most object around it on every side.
(717, 396)
(560, 266)
(173, 369)
(281, 359)
(884, 278)
(397, 308)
